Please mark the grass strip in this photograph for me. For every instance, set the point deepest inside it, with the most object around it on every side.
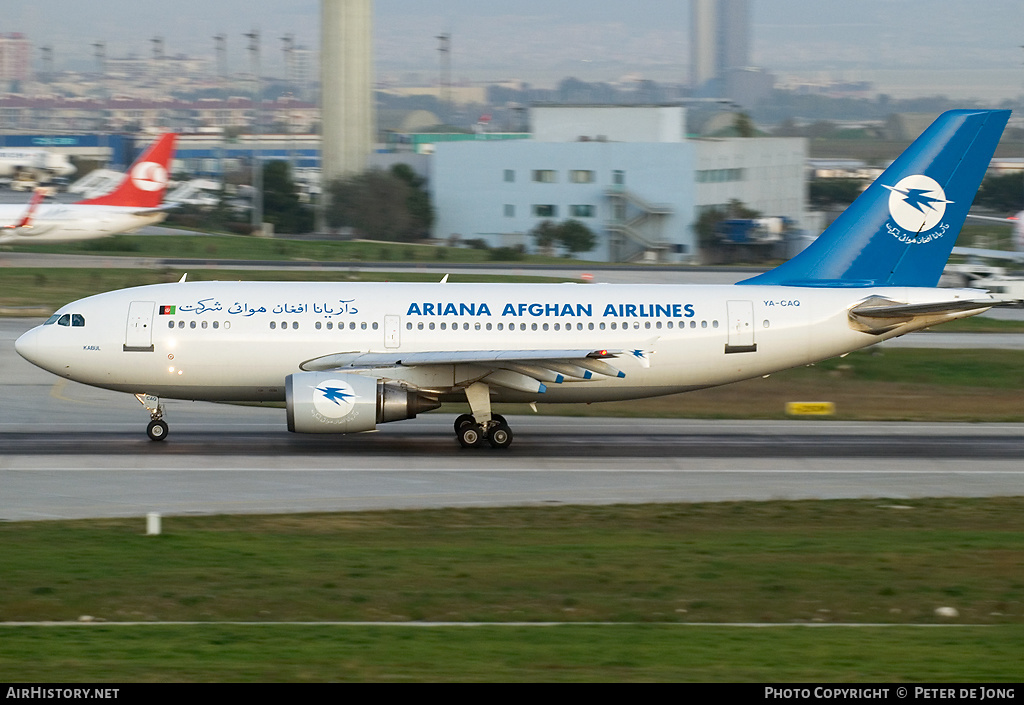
(640, 567)
(597, 653)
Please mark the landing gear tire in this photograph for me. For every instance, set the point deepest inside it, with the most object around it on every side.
(470, 435)
(500, 436)
(462, 420)
(157, 430)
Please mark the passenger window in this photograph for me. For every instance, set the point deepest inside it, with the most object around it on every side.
(77, 320)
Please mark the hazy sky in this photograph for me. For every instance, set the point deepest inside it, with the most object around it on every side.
(907, 47)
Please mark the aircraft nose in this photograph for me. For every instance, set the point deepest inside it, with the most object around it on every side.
(27, 345)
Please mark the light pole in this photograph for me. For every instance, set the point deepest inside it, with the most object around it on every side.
(257, 102)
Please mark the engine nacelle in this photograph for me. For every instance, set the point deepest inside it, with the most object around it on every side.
(331, 402)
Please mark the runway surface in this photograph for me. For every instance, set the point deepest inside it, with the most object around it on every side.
(70, 451)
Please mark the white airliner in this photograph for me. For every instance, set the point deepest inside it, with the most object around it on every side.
(1014, 255)
(344, 357)
(134, 203)
(38, 163)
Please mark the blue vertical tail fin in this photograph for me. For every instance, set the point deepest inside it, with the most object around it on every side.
(900, 231)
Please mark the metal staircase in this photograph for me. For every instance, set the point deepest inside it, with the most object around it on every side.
(639, 225)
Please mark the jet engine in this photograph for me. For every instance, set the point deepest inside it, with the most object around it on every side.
(329, 402)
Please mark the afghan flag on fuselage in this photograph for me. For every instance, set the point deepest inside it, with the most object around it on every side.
(167, 310)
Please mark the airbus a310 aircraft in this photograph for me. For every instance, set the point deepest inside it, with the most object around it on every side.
(344, 357)
(134, 203)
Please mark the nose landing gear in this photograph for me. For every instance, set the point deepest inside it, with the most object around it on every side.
(157, 429)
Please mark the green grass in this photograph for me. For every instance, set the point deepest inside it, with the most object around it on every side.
(650, 570)
(980, 324)
(624, 653)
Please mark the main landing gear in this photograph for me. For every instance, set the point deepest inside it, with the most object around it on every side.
(157, 429)
(474, 435)
(480, 427)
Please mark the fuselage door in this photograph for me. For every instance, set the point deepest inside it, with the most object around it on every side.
(740, 326)
(392, 324)
(138, 335)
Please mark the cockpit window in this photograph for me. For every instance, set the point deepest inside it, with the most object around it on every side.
(75, 320)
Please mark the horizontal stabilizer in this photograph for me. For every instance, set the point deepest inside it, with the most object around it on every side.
(879, 315)
(897, 310)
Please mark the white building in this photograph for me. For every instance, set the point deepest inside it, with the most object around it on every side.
(628, 173)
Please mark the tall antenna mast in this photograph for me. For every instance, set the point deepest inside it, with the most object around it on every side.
(445, 50)
(257, 102)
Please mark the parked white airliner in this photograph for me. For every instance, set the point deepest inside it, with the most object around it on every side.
(135, 202)
(37, 163)
(344, 357)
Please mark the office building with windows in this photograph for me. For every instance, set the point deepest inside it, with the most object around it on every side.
(628, 173)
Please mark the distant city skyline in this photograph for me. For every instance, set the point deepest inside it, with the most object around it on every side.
(907, 48)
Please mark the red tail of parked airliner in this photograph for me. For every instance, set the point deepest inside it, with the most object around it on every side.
(145, 183)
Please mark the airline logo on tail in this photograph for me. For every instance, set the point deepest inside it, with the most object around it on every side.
(149, 176)
(917, 204)
(146, 181)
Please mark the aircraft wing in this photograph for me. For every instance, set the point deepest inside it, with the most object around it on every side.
(524, 370)
(989, 254)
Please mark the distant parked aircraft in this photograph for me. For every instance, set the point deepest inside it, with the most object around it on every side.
(134, 203)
